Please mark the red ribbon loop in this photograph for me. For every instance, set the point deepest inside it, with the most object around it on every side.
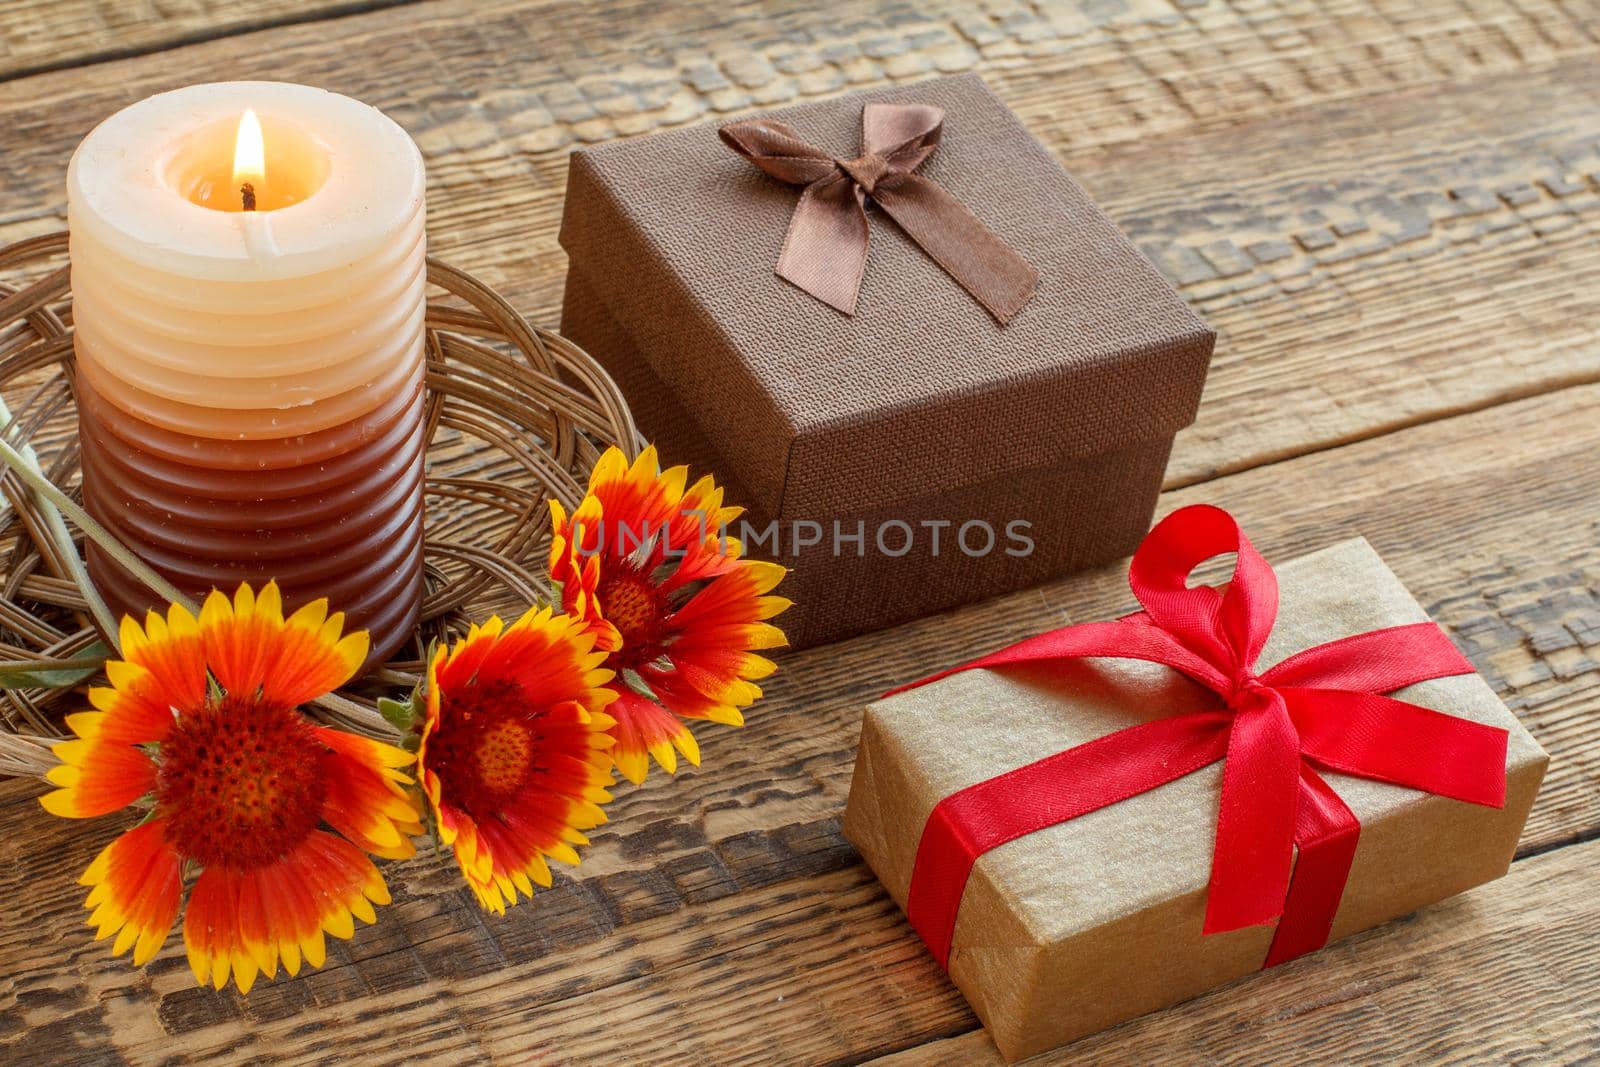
(1321, 708)
(1229, 628)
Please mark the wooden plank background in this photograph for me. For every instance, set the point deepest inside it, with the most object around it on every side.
(1388, 209)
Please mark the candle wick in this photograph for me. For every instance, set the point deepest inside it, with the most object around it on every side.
(247, 194)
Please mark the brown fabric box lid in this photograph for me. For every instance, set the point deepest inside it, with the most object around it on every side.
(921, 391)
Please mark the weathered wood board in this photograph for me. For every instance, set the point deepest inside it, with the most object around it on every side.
(1408, 203)
(723, 912)
(1389, 210)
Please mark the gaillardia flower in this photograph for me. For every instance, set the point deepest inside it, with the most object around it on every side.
(202, 719)
(513, 753)
(648, 566)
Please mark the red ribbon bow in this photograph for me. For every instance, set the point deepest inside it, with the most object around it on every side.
(825, 250)
(1321, 709)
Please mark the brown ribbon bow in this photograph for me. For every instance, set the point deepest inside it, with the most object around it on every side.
(825, 250)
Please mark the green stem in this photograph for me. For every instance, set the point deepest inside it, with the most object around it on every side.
(89, 664)
(26, 464)
(27, 468)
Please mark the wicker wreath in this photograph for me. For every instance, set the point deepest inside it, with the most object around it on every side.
(516, 415)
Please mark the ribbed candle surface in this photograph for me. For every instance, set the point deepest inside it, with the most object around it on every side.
(250, 382)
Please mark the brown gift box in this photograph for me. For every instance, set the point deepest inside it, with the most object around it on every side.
(918, 409)
(1098, 919)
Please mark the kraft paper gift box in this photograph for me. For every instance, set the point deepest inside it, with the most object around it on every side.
(1098, 919)
(919, 409)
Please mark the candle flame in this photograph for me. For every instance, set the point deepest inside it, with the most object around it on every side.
(249, 156)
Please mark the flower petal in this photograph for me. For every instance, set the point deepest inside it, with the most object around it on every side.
(548, 656)
(643, 729)
(365, 799)
(135, 891)
(236, 639)
(469, 653)
(250, 647)
(312, 657)
(170, 650)
(243, 923)
(163, 667)
(513, 756)
(211, 931)
(686, 611)
(97, 777)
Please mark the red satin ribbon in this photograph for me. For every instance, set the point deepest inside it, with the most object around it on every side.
(1321, 709)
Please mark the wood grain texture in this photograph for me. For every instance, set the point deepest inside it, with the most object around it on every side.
(1410, 197)
(40, 35)
(721, 912)
(1388, 209)
(1503, 974)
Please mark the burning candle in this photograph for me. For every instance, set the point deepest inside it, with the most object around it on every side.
(248, 293)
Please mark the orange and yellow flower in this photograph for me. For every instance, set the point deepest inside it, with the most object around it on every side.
(647, 565)
(276, 813)
(513, 754)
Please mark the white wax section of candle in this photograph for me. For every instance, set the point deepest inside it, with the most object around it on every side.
(254, 325)
(119, 193)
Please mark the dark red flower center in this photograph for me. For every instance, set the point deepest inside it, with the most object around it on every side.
(241, 782)
(634, 605)
(485, 748)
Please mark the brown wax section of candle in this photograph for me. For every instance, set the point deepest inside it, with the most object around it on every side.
(333, 514)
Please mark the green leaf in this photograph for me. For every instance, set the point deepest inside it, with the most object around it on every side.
(53, 673)
(401, 714)
(635, 681)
